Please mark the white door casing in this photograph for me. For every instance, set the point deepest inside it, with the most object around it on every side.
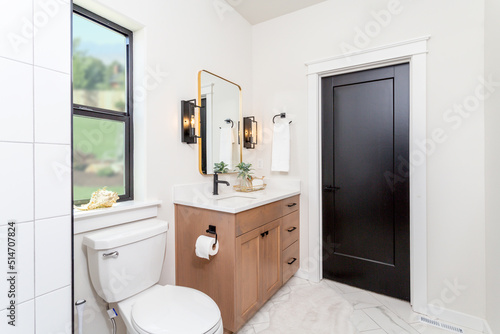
(413, 52)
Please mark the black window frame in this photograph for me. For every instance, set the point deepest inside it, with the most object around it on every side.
(125, 117)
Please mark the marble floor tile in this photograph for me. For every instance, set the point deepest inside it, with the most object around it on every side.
(297, 281)
(376, 331)
(282, 295)
(246, 329)
(389, 321)
(362, 321)
(331, 285)
(327, 307)
(310, 309)
(400, 307)
(344, 288)
(361, 300)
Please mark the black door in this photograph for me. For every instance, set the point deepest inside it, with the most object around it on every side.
(365, 175)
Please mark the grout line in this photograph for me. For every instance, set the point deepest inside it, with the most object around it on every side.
(43, 143)
(50, 69)
(19, 223)
(24, 302)
(52, 291)
(16, 142)
(54, 217)
(17, 60)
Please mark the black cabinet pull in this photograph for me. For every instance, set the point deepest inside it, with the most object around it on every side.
(293, 260)
(292, 229)
(330, 188)
(291, 205)
(263, 234)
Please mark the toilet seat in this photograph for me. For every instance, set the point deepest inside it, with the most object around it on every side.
(173, 309)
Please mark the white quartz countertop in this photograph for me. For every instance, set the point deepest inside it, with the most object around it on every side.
(200, 195)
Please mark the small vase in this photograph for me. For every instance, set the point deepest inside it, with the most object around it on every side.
(245, 184)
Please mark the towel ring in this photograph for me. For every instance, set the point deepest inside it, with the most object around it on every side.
(282, 115)
(228, 121)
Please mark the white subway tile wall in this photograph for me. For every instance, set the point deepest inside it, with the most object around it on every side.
(51, 235)
(16, 176)
(16, 94)
(25, 252)
(35, 165)
(50, 322)
(53, 38)
(52, 177)
(51, 115)
(16, 31)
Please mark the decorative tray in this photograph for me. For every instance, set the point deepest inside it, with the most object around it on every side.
(247, 189)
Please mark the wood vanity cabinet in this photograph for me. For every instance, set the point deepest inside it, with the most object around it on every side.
(258, 253)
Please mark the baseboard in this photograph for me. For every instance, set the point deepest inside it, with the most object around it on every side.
(457, 318)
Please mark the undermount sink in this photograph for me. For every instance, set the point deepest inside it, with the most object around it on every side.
(235, 200)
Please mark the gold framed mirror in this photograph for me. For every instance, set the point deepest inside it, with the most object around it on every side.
(219, 122)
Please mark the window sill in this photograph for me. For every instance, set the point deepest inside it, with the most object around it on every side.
(120, 213)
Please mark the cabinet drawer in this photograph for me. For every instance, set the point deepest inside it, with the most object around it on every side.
(290, 229)
(291, 261)
(291, 204)
(253, 218)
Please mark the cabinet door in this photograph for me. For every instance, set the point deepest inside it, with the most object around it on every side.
(270, 259)
(247, 275)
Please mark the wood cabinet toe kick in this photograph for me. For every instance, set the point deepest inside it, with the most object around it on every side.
(258, 253)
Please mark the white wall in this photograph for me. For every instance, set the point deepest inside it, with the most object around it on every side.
(455, 168)
(35, 165)
(173, 41)
(492, 126)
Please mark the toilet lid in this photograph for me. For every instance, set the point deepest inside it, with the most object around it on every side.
(175, 309)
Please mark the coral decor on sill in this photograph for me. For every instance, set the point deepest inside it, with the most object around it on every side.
(101, 198)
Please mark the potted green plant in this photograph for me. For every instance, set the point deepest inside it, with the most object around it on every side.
(244, 174)
(220, 167)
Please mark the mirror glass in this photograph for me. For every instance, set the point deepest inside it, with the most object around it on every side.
(219, 120)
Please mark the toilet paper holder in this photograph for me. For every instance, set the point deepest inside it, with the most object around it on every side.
(212, 230)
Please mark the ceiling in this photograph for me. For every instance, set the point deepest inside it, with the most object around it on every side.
(257, 11)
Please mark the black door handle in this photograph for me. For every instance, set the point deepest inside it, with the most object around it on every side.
(292, 229)
(331, 188)
(263, 234)
(291, 205)
(292, 261)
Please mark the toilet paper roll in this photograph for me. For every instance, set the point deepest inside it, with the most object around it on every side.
(205, 247)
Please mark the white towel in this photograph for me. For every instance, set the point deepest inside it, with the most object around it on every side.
(226, 147)
(281, 147)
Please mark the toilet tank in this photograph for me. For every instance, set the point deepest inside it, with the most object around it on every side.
(126, 259)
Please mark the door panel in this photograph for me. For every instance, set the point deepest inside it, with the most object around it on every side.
(248, 271)
(271, 259)
(366, 180)
(364, 203)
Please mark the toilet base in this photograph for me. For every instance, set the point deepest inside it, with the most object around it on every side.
(125, 312)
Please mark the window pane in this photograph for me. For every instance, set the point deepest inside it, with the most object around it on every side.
(99, 65)
(98, 156)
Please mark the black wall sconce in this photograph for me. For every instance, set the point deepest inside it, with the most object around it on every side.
(249, 132)
(188, 122)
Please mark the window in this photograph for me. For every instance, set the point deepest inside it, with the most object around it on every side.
(102, 107)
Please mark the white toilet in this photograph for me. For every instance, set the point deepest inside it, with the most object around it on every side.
(125, 264)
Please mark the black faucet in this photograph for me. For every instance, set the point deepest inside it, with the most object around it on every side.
(216, 184)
